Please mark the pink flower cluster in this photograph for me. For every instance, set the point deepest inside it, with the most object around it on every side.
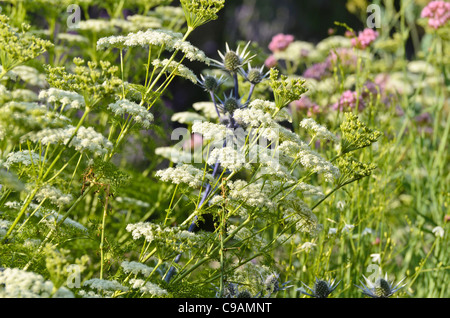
(280, 42)
(365, 38)
(348, 99)
(438, 13)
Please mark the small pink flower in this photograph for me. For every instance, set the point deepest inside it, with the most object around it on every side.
(348, 99)
(438, 13)
(349, 34)
(377, 241)
(314, 110)
(280, 42)
(447, 218)
(303, 103)
(271, 61)
(365, 38)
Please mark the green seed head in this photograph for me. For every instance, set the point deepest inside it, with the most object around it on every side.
(321, 289)
(244, 294)
(231, 104)
(210, 83)
(254, 76)
(382, 288)
(232, 62)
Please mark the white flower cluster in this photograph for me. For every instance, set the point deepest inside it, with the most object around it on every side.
(29, 75)
(253, 194)
(186, 174)
(136, 268)
(32, 115)
(141, 22)
(54, 195)
(296, 210)
(154, 232)
(318, 131)
(206, 108)
(177, 155)
(271, 109)
(105, 285)
(157, 37)
(211, 131)
(62, 97)
(96, 26)
(17, 283)
(176, 68)
(132, 202)
(164, 38)
(140, 113)
(270, 162)
(310, 159)
(229, 158)
(4, 226)
(187, 117)
(48, 216)
(148, 287)
(86, 139)
(24, 157)
(253, 117)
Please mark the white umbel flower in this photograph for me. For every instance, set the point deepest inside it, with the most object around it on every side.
(136, 268)
(206, 108)
(67, 100)
(211, 131)
(54, 195)
(148, 287)
(175, 68)
(271, 109)
(317, 131)
(229, 158)
(186, 174)
(86, 139)
(253, 117)
(139, 113)
(24, 157)
(17, 283)
(187, 117)
(253, 194)
(105, 285)
(163, 38)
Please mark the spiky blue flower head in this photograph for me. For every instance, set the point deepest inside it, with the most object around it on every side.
(381, 288)
(229, 104)
(232, 61)
(321, 288)
(254, 75)
(210, 83)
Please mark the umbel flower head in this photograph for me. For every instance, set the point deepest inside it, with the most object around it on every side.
(199, 12)
(381, 288)
(18, 47)
(232, 61)
(321, 288)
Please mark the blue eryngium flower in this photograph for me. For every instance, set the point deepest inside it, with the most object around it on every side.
(254, 75)
(229, 104)
(381, 288)
(232, 61)
(210, 83)
(321, 288)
